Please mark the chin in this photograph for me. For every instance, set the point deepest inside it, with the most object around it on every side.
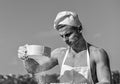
(71, 45)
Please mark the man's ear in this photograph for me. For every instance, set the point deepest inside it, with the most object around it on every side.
(80, 29)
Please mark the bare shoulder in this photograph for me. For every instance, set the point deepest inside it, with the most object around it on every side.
(99, 54)
(58, 52)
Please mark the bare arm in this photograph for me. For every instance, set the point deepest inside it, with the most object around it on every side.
(103, 67)
(55, 54)
(50, 63)
(34, 67)
(54, 59)
(37, 64)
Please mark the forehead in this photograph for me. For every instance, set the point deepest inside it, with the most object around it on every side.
(66, 29)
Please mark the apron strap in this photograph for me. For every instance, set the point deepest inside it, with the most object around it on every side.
(88, 63)
(67, 51)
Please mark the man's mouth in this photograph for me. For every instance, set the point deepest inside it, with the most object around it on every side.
(69, 43)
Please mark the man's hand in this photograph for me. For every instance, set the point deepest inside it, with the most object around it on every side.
(33, 63)
(22, 52)
(32, 66)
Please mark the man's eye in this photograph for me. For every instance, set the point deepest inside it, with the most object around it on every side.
(67, 35)
(62, 35)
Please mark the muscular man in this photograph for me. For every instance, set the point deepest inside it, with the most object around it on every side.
(80, 62)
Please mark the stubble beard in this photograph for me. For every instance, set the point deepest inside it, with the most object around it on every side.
(74, 44)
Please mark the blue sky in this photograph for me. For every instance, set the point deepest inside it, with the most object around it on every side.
(31, 21)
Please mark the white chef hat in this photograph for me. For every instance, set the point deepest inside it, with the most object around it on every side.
(67, 18)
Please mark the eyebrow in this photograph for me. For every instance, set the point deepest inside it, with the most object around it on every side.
(66, 34)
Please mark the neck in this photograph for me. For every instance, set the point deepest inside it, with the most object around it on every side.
(80, 45)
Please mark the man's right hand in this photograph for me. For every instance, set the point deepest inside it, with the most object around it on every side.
(31, 65)
(22, 52)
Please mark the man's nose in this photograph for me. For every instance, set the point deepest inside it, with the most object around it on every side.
(65, 38)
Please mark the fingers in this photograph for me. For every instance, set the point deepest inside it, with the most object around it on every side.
(22, 51)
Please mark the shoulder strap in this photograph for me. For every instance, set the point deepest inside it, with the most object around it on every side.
(88, 59)
(65, 56)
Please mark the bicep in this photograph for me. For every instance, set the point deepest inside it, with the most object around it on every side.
(103, 67)
(57, 54)
(54, 58)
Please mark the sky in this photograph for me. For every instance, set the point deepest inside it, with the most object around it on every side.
(31, 22)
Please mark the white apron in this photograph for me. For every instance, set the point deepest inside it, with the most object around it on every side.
(83, 72)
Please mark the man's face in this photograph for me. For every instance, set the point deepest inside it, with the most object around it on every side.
(69, 34)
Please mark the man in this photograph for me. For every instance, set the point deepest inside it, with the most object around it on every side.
(81, 62)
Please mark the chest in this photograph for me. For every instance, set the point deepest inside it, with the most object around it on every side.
(75, 60)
